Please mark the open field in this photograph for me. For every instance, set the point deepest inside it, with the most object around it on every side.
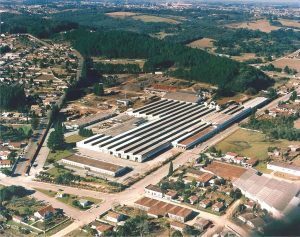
(293, 63)
(290, 23)
(139, 62)
(262, 25)
(161, 35)
(149, 18)
(250, 143)
(202, 43)
(58, 155)
(74, 138)
(121, 14)
(244, 57)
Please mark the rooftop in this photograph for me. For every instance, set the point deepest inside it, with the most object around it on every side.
(93, 163)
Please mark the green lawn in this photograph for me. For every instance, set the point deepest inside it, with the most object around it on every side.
(69, 198)
(250, 143)
(74, 138)
(58, 155)
(262, 167)
(79, 233)
(49, 193)
(57, 229)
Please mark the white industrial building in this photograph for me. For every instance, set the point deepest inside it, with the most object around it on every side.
(171, 123)
(276, 196)
(93, 165)
(284, 168)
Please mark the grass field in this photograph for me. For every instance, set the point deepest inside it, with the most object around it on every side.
(69, 198)
(149, 18)
(244, 57)
(250, 143)
(262, 25)
(74, 138)
(58, 155)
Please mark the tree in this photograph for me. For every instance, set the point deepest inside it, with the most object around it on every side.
(35, 121)
(56, 140)
(99, 89)
(293, 96)
(170, 169)
(84, 132)
(177, 233)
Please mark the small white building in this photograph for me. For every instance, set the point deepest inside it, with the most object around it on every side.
(153, 190)
(284, 168)
(83, 202)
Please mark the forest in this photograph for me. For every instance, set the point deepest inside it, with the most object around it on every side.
(176, 59)
(12, 97)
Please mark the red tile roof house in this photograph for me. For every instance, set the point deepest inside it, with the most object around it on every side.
(5, 163)
(18, 219)
(178, 226)
(171, 194)
(115, 217)
(101, 227)
(201, 223)
(204, 179)
(230, 156)
(44, 212)
(193, 199)
(218, 206)
(205, 203)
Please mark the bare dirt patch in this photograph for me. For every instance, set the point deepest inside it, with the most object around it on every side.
(227, 171)
(202, 43)
(262, 25)
(293, 63)
(244, 57)
(121, 14)
(290, 23)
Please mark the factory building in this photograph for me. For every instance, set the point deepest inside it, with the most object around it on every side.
(170, 123)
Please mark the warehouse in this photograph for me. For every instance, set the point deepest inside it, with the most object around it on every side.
(276, 196)
(284, 168)
(170, 123)
(94, 165)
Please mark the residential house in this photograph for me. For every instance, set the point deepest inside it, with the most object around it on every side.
(115, 217)
(45, 212)
(101, 227)
(250, 205)
(201, 223)
(218, 207)
(5, 163)
(246, 217)
(294, 148)
(60, 194)
(4, 154)
(257, 223)
(250, 162)
(238, 160)
(204, 179)
(193, 199)
(229, 156)
(205, 203)
(18, 219)
(180, 214)
(83, 202)
(178, 226)
(170, 195)
(153, 190)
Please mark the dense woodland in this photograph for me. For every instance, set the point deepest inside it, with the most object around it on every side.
(182, 62)
(12, 96)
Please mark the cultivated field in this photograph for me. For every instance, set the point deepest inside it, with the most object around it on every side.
(149, 18)
(202, 43)
(262, 25)
(226, 171)
(250, 143)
